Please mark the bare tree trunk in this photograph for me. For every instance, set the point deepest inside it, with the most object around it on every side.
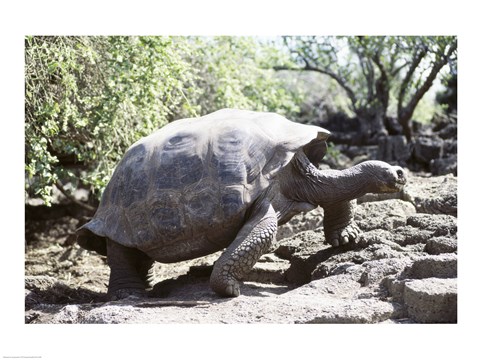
(372, 125)
(404, 120)
(405, 112)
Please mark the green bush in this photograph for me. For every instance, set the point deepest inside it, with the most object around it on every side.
(237, 72)
(88, 98)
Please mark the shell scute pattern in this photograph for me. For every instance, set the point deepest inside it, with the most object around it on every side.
(178, 163)
(135, 186)
(142, 231)
(228, 157)
(201, 205)
(232, 202)
(256, 157)
(129, 179)
(164, 212)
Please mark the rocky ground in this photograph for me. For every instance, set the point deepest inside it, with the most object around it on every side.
(403, 270)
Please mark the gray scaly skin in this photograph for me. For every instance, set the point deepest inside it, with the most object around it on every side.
(253, 240)
(302, 187)
(335, 190)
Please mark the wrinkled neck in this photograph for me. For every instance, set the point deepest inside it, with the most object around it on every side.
(323, 187)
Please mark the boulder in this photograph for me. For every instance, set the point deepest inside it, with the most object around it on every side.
(432, 195)
(390, 214)
(441, 245)
(301, 222)
(409, 235)
(431, 300)
(376, 270)
(394, 149)
(439, 225)
(439, 266)
(427, 148)
(444, 166)
(449, 131)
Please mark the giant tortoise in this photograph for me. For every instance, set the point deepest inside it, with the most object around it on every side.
(225, 180)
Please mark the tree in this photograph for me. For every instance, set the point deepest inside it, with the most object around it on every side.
(87, 99)
(447, 98)
(375, 72)
(237, 72)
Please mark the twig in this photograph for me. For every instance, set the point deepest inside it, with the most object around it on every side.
(148, 303)
(60, 187)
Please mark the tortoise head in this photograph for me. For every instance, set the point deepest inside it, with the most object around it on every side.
(384, 178)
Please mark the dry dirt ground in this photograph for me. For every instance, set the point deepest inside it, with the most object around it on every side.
(403, 270)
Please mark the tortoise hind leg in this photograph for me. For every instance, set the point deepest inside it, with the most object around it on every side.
(145, 269)
(130, 271)
(253, 240)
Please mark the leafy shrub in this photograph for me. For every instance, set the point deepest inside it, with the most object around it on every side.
(237, 72)
(88, 98)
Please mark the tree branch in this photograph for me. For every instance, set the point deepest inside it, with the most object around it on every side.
(417, 58)
(437, 66)
(60, 187)
(338, 79)
(405, 113)
(382, 84)
(395, 71)
(368, 73)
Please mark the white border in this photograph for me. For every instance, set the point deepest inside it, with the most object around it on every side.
(244, 17)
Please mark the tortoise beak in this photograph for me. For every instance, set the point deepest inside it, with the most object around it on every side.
(400, 177)
(396, 180)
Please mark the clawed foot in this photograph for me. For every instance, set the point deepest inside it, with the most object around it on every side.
(349, 234)
(120, 294)
(226, 286)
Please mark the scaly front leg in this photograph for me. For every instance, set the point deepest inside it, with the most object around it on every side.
(338, 223)
(253, 240)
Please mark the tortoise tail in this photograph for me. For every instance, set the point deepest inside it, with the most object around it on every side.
(91, 241)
